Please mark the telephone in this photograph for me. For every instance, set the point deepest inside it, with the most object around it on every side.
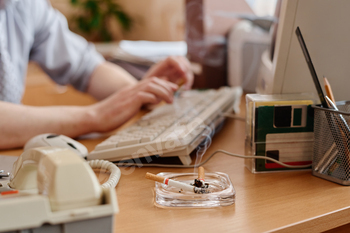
(64, 177)
(57, 187)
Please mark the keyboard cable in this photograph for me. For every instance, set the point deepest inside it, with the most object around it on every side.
(226, 114)
(227, 153)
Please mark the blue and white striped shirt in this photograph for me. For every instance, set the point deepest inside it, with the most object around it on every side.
(33, 30)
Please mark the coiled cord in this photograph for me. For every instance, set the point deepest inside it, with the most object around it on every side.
(114, 177)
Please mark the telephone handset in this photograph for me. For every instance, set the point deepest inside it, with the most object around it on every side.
(62, 175)
(67, 180)
(53, 187)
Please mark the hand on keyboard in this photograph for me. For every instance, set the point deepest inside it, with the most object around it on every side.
(121, 106)
(171, 130)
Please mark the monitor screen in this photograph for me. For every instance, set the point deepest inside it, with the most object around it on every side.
(326, 32)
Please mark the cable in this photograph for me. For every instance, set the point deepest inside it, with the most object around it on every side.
(229, 115)
(227, 153)
(110, 167)
(226, 114)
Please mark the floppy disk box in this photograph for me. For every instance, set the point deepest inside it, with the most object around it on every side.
(279, 127)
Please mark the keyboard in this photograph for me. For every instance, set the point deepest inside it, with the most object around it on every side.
(169, 133)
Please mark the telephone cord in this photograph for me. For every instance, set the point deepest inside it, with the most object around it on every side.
(109, 167)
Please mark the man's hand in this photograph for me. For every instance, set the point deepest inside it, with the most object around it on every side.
(121, 98)
(159, 83)
(122, 105)
(24, 122)
(176, 69)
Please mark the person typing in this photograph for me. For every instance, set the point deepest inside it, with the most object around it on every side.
(33, 30)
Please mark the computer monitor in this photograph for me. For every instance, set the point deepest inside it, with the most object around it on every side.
(324, 25)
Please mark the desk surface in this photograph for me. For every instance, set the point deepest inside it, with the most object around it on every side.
(272, 202)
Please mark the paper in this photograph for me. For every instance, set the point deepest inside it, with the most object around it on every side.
(149, 52)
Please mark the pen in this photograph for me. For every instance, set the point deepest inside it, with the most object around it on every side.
(328, 157)
(341, 137)
(329, 161)
(311, 67)
(339, 129)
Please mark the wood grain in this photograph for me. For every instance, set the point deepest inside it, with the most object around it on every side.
(293, 201)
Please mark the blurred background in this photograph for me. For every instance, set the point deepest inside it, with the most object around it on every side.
(223, 39)
(161, 20)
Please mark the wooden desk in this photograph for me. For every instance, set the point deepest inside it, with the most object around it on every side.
(272, 202)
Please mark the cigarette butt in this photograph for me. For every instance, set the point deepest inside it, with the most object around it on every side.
(151, 176)
(201, 174)
(181, 82)
(170, 182)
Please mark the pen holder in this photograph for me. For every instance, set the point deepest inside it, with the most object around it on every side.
(331, 158)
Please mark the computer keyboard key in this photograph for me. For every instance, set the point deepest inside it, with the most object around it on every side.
(127, 142)
(143, 123)
(105, 146)
(147, 138)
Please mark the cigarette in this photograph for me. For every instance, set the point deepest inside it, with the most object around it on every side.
(170, 182)
(181, 82)
(199, 182)
(201, 173)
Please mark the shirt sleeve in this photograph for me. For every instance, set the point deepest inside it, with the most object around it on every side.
(65, 56)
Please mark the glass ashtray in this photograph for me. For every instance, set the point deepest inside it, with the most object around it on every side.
(221, 191)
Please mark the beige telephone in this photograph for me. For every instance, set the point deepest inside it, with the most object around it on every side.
(56, 187)
(67, 180)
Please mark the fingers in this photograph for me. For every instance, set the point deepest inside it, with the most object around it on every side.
(147, 98)
(176, 69)
(182, 73)
(162, 89)
(122, 105)
(119, 108)
(159, 92)
(164, 82)
(178, 64)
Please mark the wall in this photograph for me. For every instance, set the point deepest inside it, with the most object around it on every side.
(215, 24)
(206, 37)
(159, 20)
(155, 20)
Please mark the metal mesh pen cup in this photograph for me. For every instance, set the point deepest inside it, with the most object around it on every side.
(331, 156)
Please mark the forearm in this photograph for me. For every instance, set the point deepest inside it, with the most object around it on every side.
(108, 78)
(19, 123)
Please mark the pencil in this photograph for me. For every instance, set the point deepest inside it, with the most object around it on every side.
(328, 89)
